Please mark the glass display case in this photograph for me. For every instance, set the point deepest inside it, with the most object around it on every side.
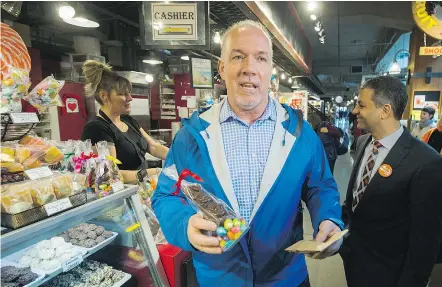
(106, 242)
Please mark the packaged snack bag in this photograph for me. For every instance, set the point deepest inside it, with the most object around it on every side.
(45, 94)
(107, 179)
(231, 227)
(15, 86)
(16, 198)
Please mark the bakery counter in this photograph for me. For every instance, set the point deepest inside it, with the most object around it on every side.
(60, 250)
(21, 238)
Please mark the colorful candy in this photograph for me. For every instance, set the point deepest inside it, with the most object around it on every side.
(228, 224)
(230, 231)
(15, 86)
(221, 231)
(45, 94)
(235, 229)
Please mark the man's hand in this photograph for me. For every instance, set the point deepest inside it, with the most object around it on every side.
(207, 244)
(327, 229)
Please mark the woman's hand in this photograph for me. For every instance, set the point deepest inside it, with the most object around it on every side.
(155, 148)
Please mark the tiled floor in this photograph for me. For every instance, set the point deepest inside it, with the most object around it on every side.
(329, 272)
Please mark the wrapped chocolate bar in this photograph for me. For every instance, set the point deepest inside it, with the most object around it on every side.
(231, 227)
(107, 179)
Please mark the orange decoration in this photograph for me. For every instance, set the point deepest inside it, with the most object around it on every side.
(385, 170)
(13, 51)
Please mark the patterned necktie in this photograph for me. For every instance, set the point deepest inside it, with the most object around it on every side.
(357, 195)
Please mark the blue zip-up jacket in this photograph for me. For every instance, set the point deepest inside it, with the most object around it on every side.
(296, 169)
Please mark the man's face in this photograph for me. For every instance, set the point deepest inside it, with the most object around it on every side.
(425, 116)
(368, 115)
(246, 68)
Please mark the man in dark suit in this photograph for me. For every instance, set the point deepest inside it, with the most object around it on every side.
(394, 197)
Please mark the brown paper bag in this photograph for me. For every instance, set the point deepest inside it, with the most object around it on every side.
(311, 246)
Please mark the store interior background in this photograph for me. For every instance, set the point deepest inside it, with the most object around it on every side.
(319, 65)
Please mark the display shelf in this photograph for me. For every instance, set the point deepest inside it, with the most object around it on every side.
(53, 273)
(16, 240)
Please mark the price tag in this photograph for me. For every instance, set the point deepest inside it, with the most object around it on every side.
(37, 173)
(72, 263)
(117, 186)
(24, 118)
(57, 206)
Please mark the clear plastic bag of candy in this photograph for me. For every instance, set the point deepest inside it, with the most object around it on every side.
(154, 225)
(15, 86)
(45, 94)
(32, 152)
(107, 179)
(231, 227)
(67, 148)
(147, 184)
(84, 162)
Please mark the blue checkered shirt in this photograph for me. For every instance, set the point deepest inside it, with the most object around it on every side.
(247, 148)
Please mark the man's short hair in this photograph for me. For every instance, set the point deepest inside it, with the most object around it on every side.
(245, 23)
(430, 110)
(388, 90)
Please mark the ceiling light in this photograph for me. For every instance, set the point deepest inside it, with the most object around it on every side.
(290, 80)
(149, 78)
(81, 22)
(395, 68)
(185, 58)
(217, 38)
(355, 98)
(313, 17)
(66, 12)
(274, 71)
(282, 76)
(152, 58)
(311, 6)
(153, 62)
(333, 99)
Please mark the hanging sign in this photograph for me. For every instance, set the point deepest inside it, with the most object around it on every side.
(429, 24)
(174, 21)
(183, 25)
(430, 51)
(71, 105)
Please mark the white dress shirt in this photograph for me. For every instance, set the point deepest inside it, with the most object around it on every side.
(387, 144)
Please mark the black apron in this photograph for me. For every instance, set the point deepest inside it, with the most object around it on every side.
(140, 146)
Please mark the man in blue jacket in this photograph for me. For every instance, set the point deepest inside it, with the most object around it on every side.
(259, 157)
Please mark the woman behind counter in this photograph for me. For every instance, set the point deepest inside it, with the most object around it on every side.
(113, 124)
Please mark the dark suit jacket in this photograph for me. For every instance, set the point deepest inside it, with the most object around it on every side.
(396, 230)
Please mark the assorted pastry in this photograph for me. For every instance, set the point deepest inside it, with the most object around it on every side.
(86, 235)
(12, 276)
(48, 255)
(19, 197)
(88, 273)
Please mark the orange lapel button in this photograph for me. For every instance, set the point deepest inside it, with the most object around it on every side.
(385, 170)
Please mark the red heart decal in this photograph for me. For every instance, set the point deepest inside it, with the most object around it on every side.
(72, 106)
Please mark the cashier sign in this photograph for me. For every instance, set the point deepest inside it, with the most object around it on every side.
(174, 21)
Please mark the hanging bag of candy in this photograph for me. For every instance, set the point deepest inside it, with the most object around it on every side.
(15, 86)
(231, 227)
(46, 94)
(107, 180)
(85, 163)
